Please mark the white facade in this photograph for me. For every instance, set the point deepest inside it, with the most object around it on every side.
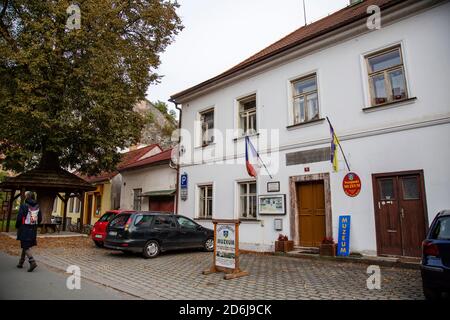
(148, 179)
(413, 135)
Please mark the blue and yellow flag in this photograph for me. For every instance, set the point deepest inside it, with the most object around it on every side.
(334, 151)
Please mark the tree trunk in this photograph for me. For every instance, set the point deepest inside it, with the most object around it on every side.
(45, 199)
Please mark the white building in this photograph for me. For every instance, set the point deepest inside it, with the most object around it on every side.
(387, 95)
(149, 183)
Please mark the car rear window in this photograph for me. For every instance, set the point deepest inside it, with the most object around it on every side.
(120, 220)
(442, 229)
(108, 216)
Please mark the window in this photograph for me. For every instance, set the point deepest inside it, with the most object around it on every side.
(55, 205)
(137, 199)
(98, 204)
(77, 205)
(247, 115)
(305, 99)
(71, 203)
(186, 223)
(107, 217)
(386, 77)
(387, 189)
(442, 229)
(207, 123)
(206, 201)
(164, 222)
(247, 200)
(120, 220)
(143, 220)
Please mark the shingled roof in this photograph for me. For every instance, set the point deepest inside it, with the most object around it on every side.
(127, 158)
(59, 180)
(159, 158)
(300, 37)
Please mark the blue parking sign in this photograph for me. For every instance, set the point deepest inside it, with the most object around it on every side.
(184, 181)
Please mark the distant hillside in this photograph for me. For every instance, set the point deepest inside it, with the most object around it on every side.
(160, 124)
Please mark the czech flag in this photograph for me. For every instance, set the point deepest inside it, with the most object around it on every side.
(251, 158)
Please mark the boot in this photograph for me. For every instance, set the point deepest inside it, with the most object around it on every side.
(33, 266)
(20, 265)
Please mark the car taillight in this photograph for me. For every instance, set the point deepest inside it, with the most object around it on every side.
(430, 249)
(127, 225)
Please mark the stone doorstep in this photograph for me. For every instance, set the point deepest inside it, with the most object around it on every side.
(399, 262)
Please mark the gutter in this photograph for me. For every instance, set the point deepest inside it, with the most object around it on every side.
(177, 187)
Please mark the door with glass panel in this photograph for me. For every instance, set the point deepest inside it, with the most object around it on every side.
(400, 218)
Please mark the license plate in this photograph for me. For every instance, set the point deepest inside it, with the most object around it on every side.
(113, 233)
(98, 236)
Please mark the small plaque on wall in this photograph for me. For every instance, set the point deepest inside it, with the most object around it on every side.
(273, 186)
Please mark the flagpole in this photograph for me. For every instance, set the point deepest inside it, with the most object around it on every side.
(339, 144)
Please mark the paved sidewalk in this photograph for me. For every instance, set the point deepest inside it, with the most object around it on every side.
(46, 284)
(178, 276)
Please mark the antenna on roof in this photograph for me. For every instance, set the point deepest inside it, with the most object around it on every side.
(304, 11)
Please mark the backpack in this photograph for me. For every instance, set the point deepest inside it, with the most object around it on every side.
(32, 215)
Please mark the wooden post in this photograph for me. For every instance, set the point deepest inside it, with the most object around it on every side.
(10, 205)
(81, 210)
(64, 217)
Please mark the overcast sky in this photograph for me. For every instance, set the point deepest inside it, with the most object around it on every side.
(219, 34)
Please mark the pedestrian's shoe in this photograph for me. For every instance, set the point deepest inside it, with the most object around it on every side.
(20, 265)
(33, 266)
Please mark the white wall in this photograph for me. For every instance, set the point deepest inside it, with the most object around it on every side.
(409, 136)
(155, 178)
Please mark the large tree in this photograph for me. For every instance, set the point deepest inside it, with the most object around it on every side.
(67, 95)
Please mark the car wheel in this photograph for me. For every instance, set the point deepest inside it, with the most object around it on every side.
(431, 294)
(209, 245)
(99, 244)
(151, 249)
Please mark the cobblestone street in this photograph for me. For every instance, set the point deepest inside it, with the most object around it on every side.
(178, 276)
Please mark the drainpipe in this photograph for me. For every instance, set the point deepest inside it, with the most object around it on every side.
(178, 164)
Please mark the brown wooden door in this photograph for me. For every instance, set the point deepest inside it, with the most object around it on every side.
(165, 204)
(400, 214)
(311, 211)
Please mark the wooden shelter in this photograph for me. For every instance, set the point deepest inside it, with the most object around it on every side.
(60, 182)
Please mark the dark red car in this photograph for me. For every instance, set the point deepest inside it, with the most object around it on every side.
(98, 232)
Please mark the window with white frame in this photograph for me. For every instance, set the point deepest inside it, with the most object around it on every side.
(247, 115)
(386, 76)
(247, 200)
(205, 201)
(305, 99)
(71, 204)
(207, 123)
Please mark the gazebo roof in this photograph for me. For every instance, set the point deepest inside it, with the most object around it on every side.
(59, 180)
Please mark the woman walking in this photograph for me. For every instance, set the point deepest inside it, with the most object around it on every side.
(26, 224)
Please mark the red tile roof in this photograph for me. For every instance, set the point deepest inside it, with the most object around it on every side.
(127, 158)
(159, 158)
(300, 36)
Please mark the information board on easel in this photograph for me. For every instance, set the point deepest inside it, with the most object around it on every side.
(226, 249)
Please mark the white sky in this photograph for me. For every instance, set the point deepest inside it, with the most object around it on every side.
(219, 34)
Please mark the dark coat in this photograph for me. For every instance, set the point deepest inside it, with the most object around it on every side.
(26, 233)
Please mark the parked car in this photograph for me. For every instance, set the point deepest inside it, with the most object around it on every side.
(435, 266)
(150, 233)
(98, 232)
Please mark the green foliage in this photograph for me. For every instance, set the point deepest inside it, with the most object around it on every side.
(72, 92)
